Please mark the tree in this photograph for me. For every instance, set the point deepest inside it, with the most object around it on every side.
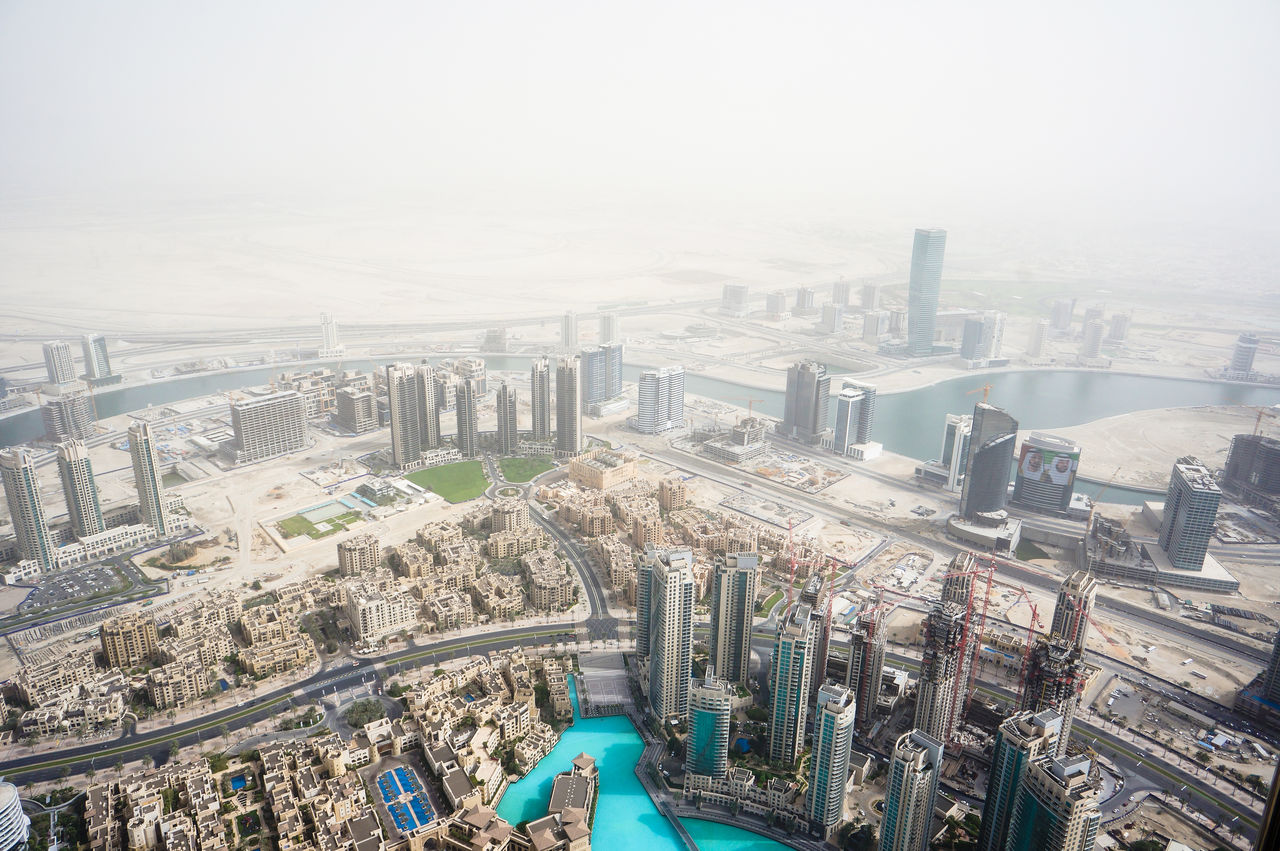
(147, 762)
(174, 750)
(119, 767)
(225, 732)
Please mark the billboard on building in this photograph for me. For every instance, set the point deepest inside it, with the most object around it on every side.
(1048, 466)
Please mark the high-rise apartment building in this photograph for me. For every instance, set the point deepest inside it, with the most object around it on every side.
(665, 596)
(1241, 358)
(911, 791)
(833, 724)
(870, 297)
(428, 404)
(78, 488)
(1039, 333)
(15, 824)
(1054, 679)
(1056, 808)
(866, 663)
(1190, 510)
(97, 362)
(710, 710)
(356, 410)
(610, 328)
(404, 405)
(1062, 311)
(601, 373)
(267, 426)
(1071, 615)
(832, 321)
(660, 404)
(330, 346)
(806, 302)
(944, 673)
(1046, 475)
(957, 433)
(26, 508)
(58, 362)
(508, 433)
(808, 401)
(359, 554)
(69, 414)
(734, 587)
(790, 675)
(540, 399)
(569, 332)
(923, 289)
(1119, 330)
(775, 306)
(983, 337)
(1253, 469)
(1271, 676)
(734, 299)
(840, 293)
(991, 444)
(149, 479)
(446, 381)
(1091, 340)
(128, 640)
(468, 417)
(855, 414)
(569, 406)
(1021, 739)
(473, 369)
(875, 326)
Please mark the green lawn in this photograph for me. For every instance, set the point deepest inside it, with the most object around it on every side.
(1028, 551)
(523, 469)
(455, 482)
(770, 603)
(296, 525)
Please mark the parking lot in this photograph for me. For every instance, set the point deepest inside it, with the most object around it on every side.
(69, 586)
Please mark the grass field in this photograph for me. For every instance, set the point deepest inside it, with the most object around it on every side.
(523, 469)
(296, 525)
(455, 482)
(770, 603)
(1027, 551)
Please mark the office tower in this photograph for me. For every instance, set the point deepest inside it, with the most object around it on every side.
(610, 328)
(1091, 341)
(870, 297)
(910, 793)
(832, 319)
(1046, 475)
(1119, 330)
(97, 363)
(733, 605)
(78, 488)
(866, 663)
(569, 332)
(128, 640)
(829, 761)
(267, 426)
(68, 415)
(806, 302)
(1075, 605)
(1063, 308)
(330, 347)
(568, 406)
(1241, 358)
(1021, 738)
(840, 293)
(993, 333)
(855, 414)
(1190, 510)
(944, 673)
(664, 621)
(473, 369)
(15, 825)
(148, 479)
(990, 458)
(1054, 679)
(26, 509)
(601, 373)
(428, 407)
(971, 338)
(808, 401)
(58, 362)
(468, 415)
(1253, 468)
(1039, 333)
(508, 435)
(897, 322)
(661, 400)
(355, 410)
(1056, 807)
(734, 299)
(789, 676)
(775, 306)
(875, 326)
(957, 433)
(710, 710)
(923, 288)
(540, 399)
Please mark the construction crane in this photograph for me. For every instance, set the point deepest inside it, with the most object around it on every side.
(1032, 625)
(985, 390)
(1093, 509)
(1257, 423)
(1107, 636)
(748, 399)
(969, 648)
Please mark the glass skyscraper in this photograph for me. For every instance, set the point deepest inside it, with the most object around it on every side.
(923, 288)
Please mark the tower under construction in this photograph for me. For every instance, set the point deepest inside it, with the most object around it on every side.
(1054, 679)
(942, 671)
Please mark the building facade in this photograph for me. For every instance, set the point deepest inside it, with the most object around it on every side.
(149, 480)
(710, 710)
(76, 473)
(790, 673)
(990, 459)
(1056, 808)
(664, 620)
(911, 792)
(1046, 476)
(97, 362)
(808, 401)
(59, 365)
(468, 417)
(1021, 738)
(1071, 615)
(26, 508)
(923, 288)
(540, 399)
(569, 406)
(660, 403)
(508, 433)
(1190, 511)
(267, 426)
(734, 587)
(829, 762)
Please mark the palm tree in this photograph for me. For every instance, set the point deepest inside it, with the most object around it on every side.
(119, 767)
(147, 762)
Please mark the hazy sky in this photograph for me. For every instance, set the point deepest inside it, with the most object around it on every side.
(937, 110)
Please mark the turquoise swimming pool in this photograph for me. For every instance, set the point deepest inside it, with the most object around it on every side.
(624, 815)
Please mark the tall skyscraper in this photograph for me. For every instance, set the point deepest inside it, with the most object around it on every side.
(991, 444)
(733, 604)
(664, 622)
(829, 762)
(866, 663)
(923, 288)
(148, 479)
(601, 373)
(832, 321)
(911, 791)
(1253, 468)
(428, 408)
(468, 415)
(1119, 329)
(1021, 738)
(1055, 679)
(660, 404)
(330, 347)
(840, 293)
(855, 414)
(58, 362)
(956, 436)
(404, 404)
(68, 414)
(267, 426)
(1241, 358)
(569, 406)
(1056, 808)
(875, 326)
(610, 328)
(540, 399)
(1190, 510)
(806, 302)
(508, 433)
(943, 673)
(569, 332)
(1046, 476)
(710, 710)
(789, 678)
(983, 336)
(808, 401)
(1071, 615)
(1091, 341)
(1271, 676)
(734, 299)
(22, 493)
(775, 306)
(1039, 333)
(1063, 309)
(97, 362)
(78, 488)
(870, 297)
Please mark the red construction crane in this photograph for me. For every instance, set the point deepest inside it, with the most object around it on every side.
(968, 647)
(1115, 644)
(985, 390)
(1031, 634)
